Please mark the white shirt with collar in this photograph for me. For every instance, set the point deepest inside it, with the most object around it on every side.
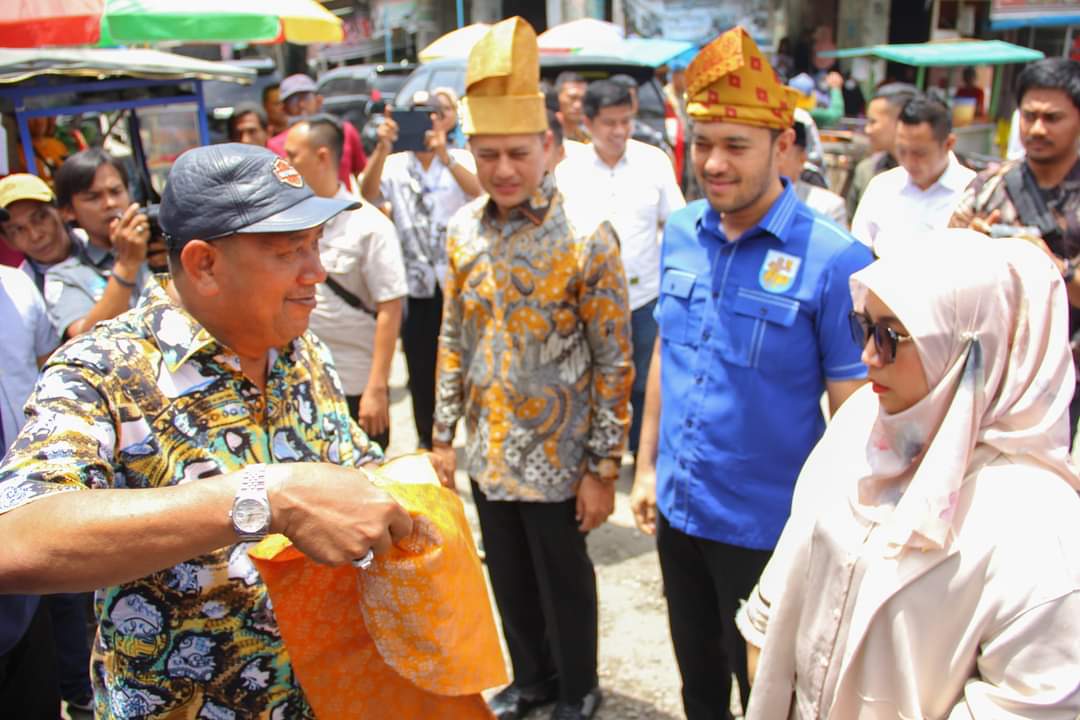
(893, 203)
(361, 251)
(636, 196)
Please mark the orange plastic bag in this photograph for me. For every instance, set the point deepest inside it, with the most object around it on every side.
(413, 636)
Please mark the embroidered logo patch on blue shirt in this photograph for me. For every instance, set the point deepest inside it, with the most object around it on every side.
(778, 271)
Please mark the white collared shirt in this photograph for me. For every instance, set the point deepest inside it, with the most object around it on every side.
(360, 250)
(892, 203)
(636, 196)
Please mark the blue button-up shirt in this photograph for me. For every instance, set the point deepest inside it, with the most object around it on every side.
(750, 331)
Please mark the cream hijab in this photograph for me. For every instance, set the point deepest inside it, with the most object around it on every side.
(990, 321)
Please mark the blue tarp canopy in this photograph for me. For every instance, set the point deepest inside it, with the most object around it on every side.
(657, 51)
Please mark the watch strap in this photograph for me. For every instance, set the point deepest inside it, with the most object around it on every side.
(252, 487)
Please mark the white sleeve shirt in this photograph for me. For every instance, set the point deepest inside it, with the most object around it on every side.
(893, 204)
(28, 335)
(361, 251)
(636, 196)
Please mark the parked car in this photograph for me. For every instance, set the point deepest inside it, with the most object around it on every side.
(222, 97)
(654, 110)
(350, 91)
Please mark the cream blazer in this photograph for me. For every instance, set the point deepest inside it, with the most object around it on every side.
(987, 628)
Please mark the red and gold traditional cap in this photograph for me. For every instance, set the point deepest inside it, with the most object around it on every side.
(731, 80)
(502, 83)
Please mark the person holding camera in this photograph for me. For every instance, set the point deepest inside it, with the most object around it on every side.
(420, 190)
(1038, 197)
(108, 272)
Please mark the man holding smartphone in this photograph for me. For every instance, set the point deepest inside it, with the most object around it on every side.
(420, 190)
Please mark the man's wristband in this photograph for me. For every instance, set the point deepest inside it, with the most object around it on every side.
(606, 470)
(442, 436)
(129, 284)
(1069, 272)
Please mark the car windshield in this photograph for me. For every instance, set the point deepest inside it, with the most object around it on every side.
(390, 82)
(414, 83)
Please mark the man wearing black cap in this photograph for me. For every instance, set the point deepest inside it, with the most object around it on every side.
(199, 422)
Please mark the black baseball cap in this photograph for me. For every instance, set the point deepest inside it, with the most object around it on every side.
(232, 188)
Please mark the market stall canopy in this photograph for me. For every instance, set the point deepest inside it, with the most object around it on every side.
(20, 65)
(26, 24)
(945, 54)
(584, 35)
(454, 44)
(657, 51)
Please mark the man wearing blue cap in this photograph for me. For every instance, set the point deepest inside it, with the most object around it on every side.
(199, 422)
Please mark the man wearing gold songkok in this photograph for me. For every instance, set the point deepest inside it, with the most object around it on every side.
(754, 328)
(535, 354)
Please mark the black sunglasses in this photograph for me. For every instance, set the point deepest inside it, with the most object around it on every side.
(885, 338)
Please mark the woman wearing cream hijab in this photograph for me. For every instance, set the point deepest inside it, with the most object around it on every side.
(931, 565)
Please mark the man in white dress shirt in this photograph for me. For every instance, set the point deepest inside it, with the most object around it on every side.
(923, 191)
(632, 185)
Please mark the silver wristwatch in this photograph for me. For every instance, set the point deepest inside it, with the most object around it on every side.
(250, 512)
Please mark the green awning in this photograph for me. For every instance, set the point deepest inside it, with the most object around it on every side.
(945, 54)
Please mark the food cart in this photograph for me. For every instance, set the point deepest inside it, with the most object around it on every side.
(159, 93)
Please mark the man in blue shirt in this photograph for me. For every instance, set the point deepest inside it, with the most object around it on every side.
(754, 328)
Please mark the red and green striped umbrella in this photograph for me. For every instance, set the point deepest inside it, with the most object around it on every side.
(38, 23)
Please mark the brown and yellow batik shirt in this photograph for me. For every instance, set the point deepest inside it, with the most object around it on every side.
(535, 348)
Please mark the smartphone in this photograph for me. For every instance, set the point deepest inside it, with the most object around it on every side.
(412, 126)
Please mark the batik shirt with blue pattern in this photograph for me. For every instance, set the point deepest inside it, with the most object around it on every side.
(148, 400)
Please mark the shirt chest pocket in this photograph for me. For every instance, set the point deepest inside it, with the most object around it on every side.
(681, 308)
(337, 261)
(758, 321)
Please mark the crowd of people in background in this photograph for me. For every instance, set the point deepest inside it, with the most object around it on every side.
(559, 300)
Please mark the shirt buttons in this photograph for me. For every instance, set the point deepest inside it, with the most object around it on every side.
(715, 295)
(698, 380)
(706, 335)
(689, 423)
(682, 463)
(836, 614)
(823, 661)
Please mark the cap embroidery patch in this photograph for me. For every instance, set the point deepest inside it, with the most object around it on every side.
(287, 174)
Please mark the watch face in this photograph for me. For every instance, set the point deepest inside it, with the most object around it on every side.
(250, 516)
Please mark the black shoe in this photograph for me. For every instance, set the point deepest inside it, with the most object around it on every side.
(512, 703)
(583, 709)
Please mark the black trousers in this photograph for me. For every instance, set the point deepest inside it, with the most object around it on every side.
(353, 401)
(704, 581)
(28, 684)
(545, 589)
(420, 341)
(68, 613)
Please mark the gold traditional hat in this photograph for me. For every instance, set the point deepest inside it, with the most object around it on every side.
(731, 80)
(502, 83)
